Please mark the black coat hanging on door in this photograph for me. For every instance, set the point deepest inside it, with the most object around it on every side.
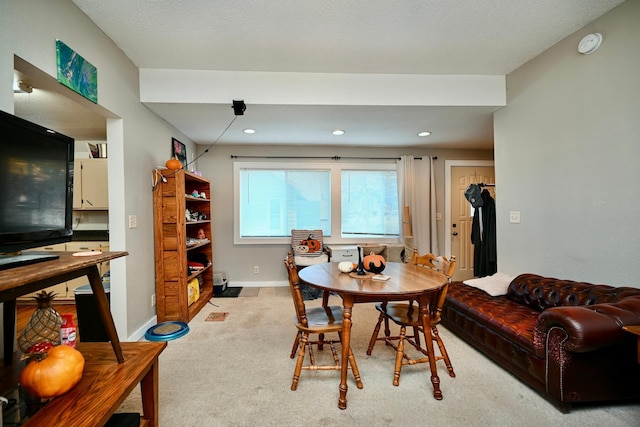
(483, 235)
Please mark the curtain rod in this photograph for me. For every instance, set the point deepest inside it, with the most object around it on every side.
(322, 157)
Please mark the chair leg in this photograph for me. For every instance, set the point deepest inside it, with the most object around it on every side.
(298, 369)
(443, 350)
(325, 303)
(387, 330)
(354, 369)
(374, 336)
(399, 356)
(296, 343)
(416, 336)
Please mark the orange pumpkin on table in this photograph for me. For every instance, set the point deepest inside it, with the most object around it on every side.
(313, 244)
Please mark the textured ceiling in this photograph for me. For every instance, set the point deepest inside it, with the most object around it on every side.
(333, 36)
(339, 36)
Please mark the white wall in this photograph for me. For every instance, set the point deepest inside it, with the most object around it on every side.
(138, 140)
(567, 148)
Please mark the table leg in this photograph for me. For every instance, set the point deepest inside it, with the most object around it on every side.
(426, 325)
(9, 327)
(93, 274)
(347, 302)
(149, 391)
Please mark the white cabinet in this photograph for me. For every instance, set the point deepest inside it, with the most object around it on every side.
(83, 280)
(64, 290)
(90, 184)
(61, 288)
(343, 253)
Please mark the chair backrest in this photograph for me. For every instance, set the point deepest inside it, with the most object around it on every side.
(440, 263)
(294, 287)
(307, 242)
(443, 265)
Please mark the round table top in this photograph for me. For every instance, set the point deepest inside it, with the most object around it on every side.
(405, 280)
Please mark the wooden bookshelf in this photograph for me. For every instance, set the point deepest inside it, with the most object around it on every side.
(174, 248)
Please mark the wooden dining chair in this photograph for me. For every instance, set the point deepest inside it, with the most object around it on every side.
(317, 321)
(408, 315)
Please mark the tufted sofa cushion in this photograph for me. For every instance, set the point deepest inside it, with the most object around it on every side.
(500, 314)
(541, 293)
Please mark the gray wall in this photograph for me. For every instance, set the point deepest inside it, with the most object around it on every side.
(567, 148)
(138, 139)
(238, 260)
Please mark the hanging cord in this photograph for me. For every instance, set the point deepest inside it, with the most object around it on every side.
(213, 143)
(158, 176)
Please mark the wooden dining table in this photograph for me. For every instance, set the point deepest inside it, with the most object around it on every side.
(406, 282)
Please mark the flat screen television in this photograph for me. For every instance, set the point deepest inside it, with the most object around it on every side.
(36, 190)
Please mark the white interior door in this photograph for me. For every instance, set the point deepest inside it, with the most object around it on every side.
(462, 215)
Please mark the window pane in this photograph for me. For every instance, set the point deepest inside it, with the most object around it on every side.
(370, 203)
(273, 202)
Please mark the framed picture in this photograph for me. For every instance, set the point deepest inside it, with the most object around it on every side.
(76, 73)
(94, 152)
(179, 151)
(97, 151)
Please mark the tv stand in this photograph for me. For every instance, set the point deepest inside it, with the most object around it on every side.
(15, 260)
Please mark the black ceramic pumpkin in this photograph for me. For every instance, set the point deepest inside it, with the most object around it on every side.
(374, 263)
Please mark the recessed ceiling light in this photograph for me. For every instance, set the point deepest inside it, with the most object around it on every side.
(338, 132)
(424, 133)
(249, 131)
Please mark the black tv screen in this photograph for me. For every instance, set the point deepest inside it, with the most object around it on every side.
(36, 188)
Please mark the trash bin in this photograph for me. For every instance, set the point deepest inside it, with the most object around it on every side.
(90, 326)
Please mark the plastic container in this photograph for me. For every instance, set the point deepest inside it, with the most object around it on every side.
(68, 330)
(90, 326)
(220, 282)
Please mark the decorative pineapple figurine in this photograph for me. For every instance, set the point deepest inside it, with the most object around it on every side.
(44, 325)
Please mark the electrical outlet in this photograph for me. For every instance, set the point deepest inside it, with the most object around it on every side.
(153, 300)
(133, 221)
(256, 269)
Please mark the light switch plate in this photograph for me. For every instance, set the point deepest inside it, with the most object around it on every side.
(514, 217)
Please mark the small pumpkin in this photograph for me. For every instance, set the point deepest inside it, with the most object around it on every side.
(55, 374)
(345, 266)
(173, 163)
(313, 244)
(374, 263)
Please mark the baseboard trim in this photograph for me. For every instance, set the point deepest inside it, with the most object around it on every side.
(256, 284)
(139, 334)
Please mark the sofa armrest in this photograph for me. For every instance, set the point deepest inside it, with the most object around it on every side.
(588, 327)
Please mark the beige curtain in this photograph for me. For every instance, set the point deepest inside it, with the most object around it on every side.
(418, 192)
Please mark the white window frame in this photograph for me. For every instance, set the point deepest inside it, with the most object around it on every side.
(336, 202)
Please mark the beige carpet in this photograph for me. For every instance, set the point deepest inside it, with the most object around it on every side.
(237, 372)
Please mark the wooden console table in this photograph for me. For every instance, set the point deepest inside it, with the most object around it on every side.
(105, 384)
(18, 281)
(110, 373)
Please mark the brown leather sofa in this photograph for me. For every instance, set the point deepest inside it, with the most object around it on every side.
(562, 338)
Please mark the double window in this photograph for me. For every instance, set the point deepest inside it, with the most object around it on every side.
(348, 202)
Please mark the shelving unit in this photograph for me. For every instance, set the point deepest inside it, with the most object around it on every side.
(171, 199)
